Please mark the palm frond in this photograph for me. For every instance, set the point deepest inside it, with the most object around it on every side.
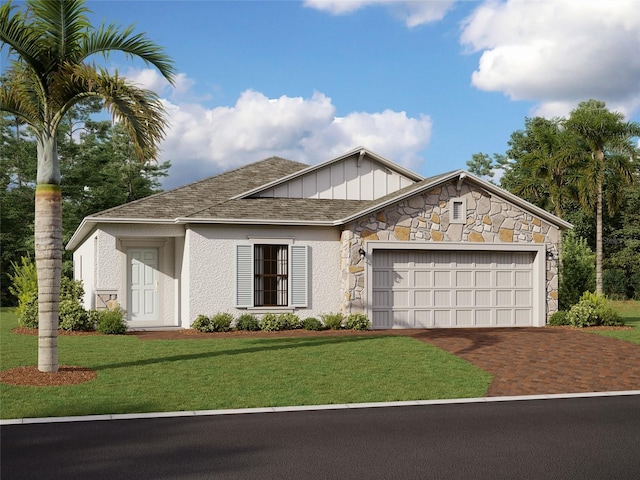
(20, 95)
(23, 39)
(109, 38)
(140, 111)
(65, 23)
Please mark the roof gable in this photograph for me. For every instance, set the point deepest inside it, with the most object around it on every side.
(357, 175)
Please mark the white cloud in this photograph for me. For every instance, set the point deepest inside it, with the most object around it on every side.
(558, 52)
(412, 12)
(201, 142)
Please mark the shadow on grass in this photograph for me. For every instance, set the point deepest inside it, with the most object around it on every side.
(270, 345)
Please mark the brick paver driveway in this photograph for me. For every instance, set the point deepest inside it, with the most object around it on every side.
(530, 361)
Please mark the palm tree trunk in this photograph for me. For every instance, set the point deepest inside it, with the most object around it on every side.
(48, 243)
(599, 238)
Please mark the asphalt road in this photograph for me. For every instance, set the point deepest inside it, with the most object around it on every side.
(577, 438)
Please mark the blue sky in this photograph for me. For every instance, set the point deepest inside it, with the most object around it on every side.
(423, 83)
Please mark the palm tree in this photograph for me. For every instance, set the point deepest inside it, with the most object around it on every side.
(51, 45)
(608, 156)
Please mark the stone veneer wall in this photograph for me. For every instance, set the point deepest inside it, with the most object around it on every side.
(425, 218)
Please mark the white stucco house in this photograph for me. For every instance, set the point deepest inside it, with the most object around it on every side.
(357, 233)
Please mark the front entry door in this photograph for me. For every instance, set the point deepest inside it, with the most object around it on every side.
(143, 281)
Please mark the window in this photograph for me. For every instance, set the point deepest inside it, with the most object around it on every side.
(270, 272)
(271, 275)
(458, 210)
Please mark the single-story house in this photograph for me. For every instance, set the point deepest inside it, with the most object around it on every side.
(355, 234)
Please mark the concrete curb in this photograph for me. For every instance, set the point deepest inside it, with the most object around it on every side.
(307, 408)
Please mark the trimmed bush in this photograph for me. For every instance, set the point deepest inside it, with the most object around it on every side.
(202, 323)
(333, 321)
(73, 317)
(273, 323)
(357, 321)
(221, 322)
(109, 322)
(559, 318)
(291, 321)
(247, 322)
(312, 323)
(577, 270)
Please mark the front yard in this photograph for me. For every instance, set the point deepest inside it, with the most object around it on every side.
(174, 375)
(629, 310)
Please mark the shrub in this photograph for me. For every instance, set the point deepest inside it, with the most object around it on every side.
(202, 323)
(593, 310)
(247, 322)
(291, 321)
(577, 271)
(312, 323)
(221, 322)
(357, 321)
(24, 286)
(73, 317)
(28, 312)
(273, 323)
(333, 320)
(109, 322)
(559, 318)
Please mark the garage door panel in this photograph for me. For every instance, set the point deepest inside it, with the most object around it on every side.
(441, 279)
(483, 298)
(417, 289)
(504, 298)
(442, 298)
(422, 298)
(442, 318)
(464, 318)
(464, 298)
(522, 279)
(522, 298)
(504, 279)
(464, 278)
(483, 279)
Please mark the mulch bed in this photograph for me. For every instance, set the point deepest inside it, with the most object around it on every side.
(64, 333)
(31, 376)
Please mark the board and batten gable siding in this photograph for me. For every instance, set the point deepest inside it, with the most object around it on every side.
(348, 179)
(211, 275)
(425, 218)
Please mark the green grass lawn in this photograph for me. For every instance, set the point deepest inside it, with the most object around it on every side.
(629, 310)
(174, 375)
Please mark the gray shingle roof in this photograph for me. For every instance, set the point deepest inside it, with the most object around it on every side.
(205, 194)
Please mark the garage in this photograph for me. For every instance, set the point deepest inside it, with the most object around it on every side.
(418, 288)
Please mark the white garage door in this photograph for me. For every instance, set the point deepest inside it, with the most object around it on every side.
(421, 288)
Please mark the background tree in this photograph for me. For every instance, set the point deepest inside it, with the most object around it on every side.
(607, 156)
(51, 44)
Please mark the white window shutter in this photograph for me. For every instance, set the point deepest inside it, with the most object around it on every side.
(299, 284)
(244, 276)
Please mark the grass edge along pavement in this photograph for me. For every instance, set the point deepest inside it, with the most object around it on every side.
(135, 376)
(629, 310)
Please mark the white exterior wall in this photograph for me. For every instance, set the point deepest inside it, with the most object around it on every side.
(84, 268)
(209, 268)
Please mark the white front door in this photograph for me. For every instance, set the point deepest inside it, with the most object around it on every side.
(143, 281)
